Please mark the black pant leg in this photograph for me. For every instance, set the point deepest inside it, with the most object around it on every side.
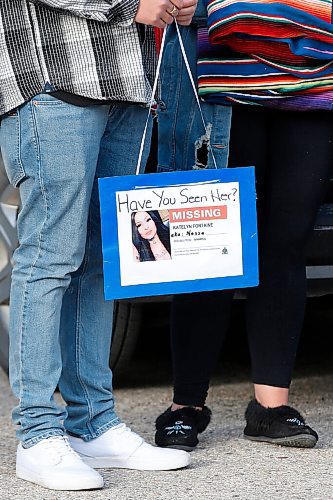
(301, 159)
(199, 322)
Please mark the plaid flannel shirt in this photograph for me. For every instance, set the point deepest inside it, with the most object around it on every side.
(91, 48)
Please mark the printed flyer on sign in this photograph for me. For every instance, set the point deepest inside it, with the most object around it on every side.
(178, 232)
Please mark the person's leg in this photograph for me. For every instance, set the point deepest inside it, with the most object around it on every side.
(301, 155)
(194, 356)
(50, 149)
(252, 148)
(191, 386)
(184, 144)
(86, 320)
(95, 431)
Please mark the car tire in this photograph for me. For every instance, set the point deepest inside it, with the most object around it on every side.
(127, 319)
(4, 340)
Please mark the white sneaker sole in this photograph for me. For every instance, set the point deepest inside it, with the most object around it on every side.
(65, 484)
(136, 464)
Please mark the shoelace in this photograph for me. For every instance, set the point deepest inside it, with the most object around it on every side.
(59, 447)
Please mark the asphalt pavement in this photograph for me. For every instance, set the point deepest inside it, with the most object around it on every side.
(225, 466)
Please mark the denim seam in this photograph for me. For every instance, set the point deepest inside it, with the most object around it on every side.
(35, 135)
(112, 111)
(21, 174)
(224, 140)
(178, 92)
(101, 430)
(191, 146)
(77, 337)
(33, 266)
(164, 73)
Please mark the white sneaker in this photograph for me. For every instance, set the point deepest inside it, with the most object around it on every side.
(52, 463)
(120, 447)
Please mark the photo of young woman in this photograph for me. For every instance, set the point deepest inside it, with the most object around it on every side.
(150, 236)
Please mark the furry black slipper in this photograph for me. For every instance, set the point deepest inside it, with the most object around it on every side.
(281, 425)
(179, 429)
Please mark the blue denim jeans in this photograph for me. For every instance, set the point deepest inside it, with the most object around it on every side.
(183, 142)
(60, 325)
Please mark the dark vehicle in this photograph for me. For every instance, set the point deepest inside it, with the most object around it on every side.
(128, 313)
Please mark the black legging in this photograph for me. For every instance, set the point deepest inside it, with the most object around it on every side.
(293, 156)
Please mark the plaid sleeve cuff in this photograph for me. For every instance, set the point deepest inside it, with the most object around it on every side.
(121, 12)
(124, 12)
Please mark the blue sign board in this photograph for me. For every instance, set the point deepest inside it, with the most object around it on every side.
(179, 232)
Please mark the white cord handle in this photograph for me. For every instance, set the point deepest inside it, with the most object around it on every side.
(152, 100)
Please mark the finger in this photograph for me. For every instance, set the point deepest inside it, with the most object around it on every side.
(188, 4)
(173, 12)
(177, 3)
(186, 11)
(184, 19)
(166, 18)
(159, 24)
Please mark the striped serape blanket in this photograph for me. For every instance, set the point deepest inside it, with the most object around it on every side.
(277, 54)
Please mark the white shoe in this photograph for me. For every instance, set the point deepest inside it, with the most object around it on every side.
(121, 448)
(52, 463)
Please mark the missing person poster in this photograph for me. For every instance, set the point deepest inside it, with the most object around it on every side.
(178, 232)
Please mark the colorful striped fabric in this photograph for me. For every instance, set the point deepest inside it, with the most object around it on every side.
(277, 54)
